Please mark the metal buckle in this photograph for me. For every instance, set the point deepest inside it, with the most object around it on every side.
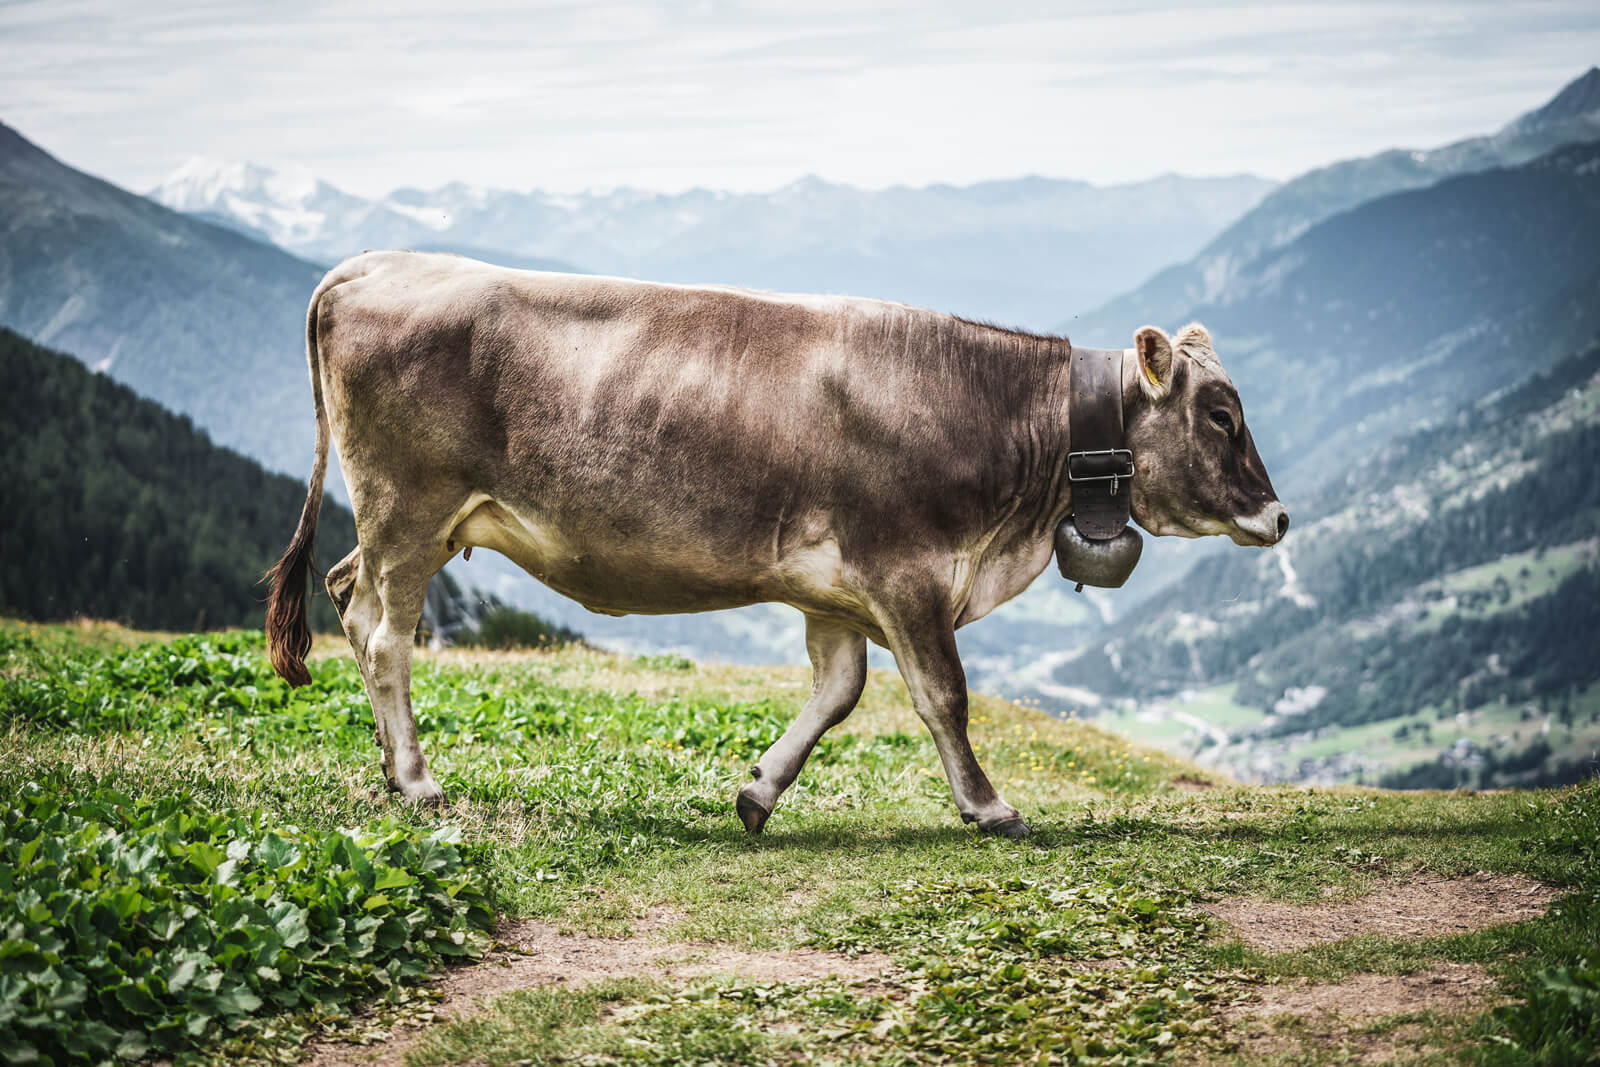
(1115, 477)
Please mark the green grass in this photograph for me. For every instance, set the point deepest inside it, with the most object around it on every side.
(588, 787)
(1216, 705)
(1169, 724)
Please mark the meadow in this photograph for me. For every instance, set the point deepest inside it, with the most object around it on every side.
(197, 864)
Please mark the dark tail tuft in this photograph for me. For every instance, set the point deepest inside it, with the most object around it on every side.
(288, 625)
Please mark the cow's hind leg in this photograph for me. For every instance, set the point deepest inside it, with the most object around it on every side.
(838, 672)
(381, 600)
(341, 583)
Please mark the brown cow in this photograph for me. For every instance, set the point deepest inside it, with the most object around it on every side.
(893, 473)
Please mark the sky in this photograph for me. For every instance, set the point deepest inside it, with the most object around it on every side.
(570, 96)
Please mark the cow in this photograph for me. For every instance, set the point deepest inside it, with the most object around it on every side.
(893, 473)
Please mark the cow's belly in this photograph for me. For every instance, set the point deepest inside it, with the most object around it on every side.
(645, 577)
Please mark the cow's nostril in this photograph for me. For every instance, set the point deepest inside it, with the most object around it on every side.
(1283, 524)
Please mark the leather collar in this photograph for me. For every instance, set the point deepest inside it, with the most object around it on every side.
(1099, 465)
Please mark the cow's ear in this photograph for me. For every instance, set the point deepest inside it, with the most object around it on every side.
(1154, 352)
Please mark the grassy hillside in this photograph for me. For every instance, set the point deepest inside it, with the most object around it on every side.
(1431, 625)
(199, 867)
(118, 509)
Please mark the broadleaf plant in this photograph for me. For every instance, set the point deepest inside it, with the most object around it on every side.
(138, 927)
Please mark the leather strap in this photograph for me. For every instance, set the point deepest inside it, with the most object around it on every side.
(1100, 466)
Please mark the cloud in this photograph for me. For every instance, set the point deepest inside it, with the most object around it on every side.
(569, 95)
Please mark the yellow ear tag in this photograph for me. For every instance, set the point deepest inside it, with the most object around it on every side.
(1148, 373)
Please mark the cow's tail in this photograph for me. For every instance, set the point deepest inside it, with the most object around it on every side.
(288, 628)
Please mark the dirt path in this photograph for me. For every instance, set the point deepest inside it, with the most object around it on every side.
(538, 954)
(1422, 907)
(1301, 1016)
(1338, 1015)
(1330, 1015)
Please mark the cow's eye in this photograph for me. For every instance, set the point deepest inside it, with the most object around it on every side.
(1224, 421)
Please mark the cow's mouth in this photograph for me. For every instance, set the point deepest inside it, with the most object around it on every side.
(1163, 525)
(1263, 529)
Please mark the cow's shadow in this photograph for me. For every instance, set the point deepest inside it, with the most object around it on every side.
(853, 838)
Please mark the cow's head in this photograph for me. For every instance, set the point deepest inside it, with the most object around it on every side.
(1199, 472)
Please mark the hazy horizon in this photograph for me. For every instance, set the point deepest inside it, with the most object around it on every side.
(575, 97)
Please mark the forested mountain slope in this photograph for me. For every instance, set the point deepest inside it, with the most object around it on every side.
(117, 509)
(1373, 323)
(1395, 312)
(1430, 620)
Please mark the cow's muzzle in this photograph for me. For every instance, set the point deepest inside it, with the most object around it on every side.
(1265, 527)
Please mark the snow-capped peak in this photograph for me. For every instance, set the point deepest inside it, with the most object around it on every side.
(288, 205)
(201, 183)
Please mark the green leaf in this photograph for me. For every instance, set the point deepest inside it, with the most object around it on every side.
(274, 853)
(182, 974)
(393, 878)
(237, 1000)
(136, 999)
(206, 857)
(290, 924)
(132, 1045)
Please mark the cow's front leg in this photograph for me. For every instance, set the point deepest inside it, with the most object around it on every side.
(838, 672)
(924, 647)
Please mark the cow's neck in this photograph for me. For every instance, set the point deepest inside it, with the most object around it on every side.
(1036, 437)
(1014, 405)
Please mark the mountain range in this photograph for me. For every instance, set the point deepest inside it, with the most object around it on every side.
(197, 310)
(1026, 251)
(1424, 623)
(1232, 263)
(1340, 337)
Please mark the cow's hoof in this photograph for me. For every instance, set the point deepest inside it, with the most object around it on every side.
(424, 794)
(753, 815)
(1012, 827)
